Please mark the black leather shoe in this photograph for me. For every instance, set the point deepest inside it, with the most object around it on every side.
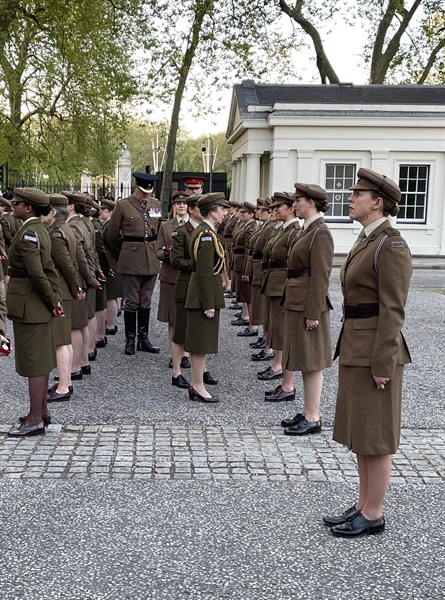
(145, 345)
(75, 376)
(235, 307)
(91, 356)
(238, 315)
(56, 397)
(208, 379)
(280, 396)
(269, 374)
(45, 418)
(28, 430)
(333, 520)
(86, 369)
(102, 343)
(304, 427)
(193, 395)
(247, 333)
(359, 525)
(54, 387)
(263, 356)
(292, 422)
(180, 381)
(272, 392)
(240, 322)
(111, 331)
(259, 344)
(185, 363)
(229, 294)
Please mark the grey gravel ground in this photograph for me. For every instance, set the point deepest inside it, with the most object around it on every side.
(237, 515)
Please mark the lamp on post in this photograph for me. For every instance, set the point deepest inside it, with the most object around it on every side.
(208, 148)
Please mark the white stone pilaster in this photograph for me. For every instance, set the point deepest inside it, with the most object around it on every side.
(252, 177)
(242, 186)
(306, 167)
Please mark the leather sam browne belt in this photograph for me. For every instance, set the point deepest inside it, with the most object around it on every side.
(257, 255)
(145, 240)
(228, 236)
(18, 273)
(277, 264)
(238, 250)
(295, 273)
(360, 311)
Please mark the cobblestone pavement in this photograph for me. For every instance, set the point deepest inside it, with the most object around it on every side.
(215, 453)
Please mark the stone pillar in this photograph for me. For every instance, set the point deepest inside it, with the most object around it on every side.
(242, 185)
(279, 176)
(123, 174)
(234, 177)
(252, 177)
(379, 162)
(305, 167)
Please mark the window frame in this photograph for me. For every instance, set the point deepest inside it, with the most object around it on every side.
(418, 165)
(343, 163)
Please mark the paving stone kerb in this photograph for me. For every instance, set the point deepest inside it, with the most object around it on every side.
(215, 453)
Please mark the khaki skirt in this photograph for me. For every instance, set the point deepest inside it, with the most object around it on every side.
(166, 306)
(306, 350)
(201, 335)
(35, 350)
(115, 287)
(101, 298)
(256, 316)
(180, 324)
(265, 307)
(79, 316)
(367, 420)
(91, 303)
(243, 293)
(62, 326)
(276, 323)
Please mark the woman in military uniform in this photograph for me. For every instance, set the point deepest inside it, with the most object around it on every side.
(32, 301)
(274, 279)
(307, 331)
(115, 286)
(372, 350)
(168, 274)
(205, 295)
(3, 338)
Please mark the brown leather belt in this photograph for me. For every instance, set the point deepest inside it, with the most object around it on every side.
(145, 240)
(360, 311)
(18, 273)
(228, 236)
(277, 264)
(238, 250)
(257, 255)
(295, 273)
(264, 266)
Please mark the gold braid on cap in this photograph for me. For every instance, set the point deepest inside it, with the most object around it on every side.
(220, 263)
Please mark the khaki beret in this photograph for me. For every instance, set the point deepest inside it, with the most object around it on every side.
(75, 197)
(267, 202)
(193, 199)
(58, 200)
(249, 207)
(212, 199)
(310, 191)
(31, 195)
(180, 196)
(5, 202)
(96, 206)
(106, 203)
(235, 203)
(282, 198)
(371, 180)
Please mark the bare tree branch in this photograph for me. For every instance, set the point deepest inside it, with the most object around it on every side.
(432, 59)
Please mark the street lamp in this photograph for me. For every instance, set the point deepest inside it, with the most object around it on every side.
(210, 158)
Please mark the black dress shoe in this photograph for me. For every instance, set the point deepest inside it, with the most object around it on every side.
(238, 315)
(281, 396)
(185, 363)
(240, 322)
(28, 430)
(292, 422)
(45, 418)
(111, 331)
(102, 343)
(304, 427)
(75, 376)
(91, 357)
(333, 520)
(229, 294)
(145, 345)
(54, 387)
(263, 356)
(247, 333)
(269, 374)
(259, 344)
(86, 369)
(359, 525)
(235, 307)
(56, 397)
(208, 379)
(193, 395)
(180, 381)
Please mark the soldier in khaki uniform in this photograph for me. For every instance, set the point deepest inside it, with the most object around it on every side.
(115, 286)
(372, 350)
(63, 253)
(33, 300)
(8, 230)
(230, 221)
(205, 295)
(134, 229)
(307, 331)
(274, 279)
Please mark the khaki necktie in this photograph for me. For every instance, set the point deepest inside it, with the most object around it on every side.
(360, 238)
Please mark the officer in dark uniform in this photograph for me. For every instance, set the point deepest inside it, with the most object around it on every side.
(134, 228)
(33, 300)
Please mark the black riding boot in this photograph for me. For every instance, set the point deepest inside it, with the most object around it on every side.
(130, 331)
(144, 343)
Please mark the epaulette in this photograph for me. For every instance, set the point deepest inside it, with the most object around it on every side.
(391, 232)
